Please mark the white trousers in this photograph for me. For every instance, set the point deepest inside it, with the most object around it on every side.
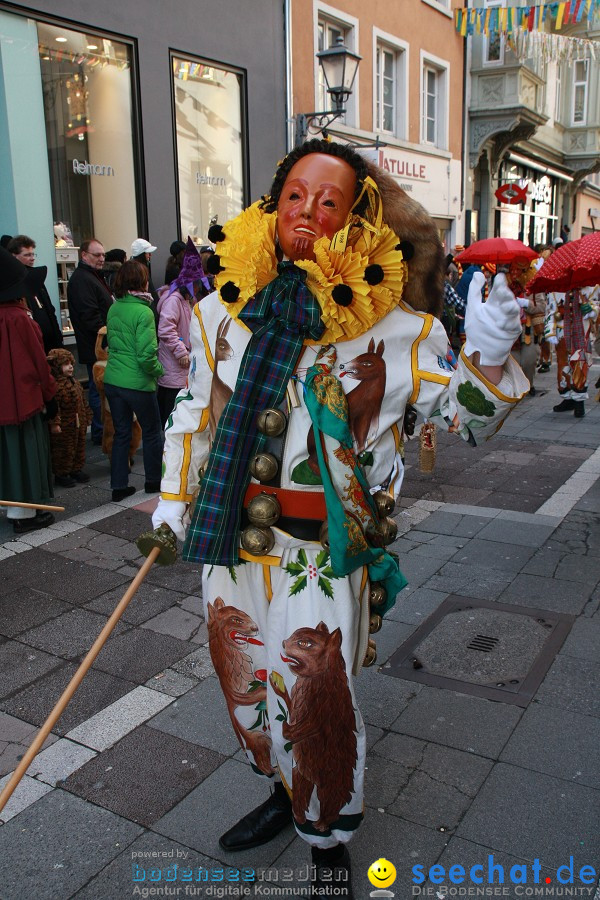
(283, 641)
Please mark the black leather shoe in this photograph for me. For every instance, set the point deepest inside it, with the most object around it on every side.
(41, 520)
(259, 826)
(121, 493)
(579, 412)
(81, 476)
(564, 406)
(332, 876)
(152, 487)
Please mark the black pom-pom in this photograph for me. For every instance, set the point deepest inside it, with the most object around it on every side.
(373, 274)
(216, 234)
(230, 292)
(213, 264)
(342, 294)
(408, 249)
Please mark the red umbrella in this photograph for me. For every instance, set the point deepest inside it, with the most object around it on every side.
(574, 265)
(496, 250)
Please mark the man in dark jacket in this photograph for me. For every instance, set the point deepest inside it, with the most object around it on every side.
(40, 305)
(89, 301)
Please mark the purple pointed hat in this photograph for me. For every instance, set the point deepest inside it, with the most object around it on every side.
(191, 270)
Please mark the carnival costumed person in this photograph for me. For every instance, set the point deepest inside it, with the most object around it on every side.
(569, 322)
(302, 364)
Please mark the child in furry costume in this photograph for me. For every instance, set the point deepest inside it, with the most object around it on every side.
(68, 428)
(108, 429)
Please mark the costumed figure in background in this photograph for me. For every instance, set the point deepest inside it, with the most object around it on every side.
(525, 349)
(27, 389)
(289, 443)
(68, 428)
(569, 323)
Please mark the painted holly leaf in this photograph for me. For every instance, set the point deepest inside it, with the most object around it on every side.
(328, 572)
(298, 585)
(258, 722)
(475, 400)
(325, 586)
(287, 747)
(302, 557)
(255, 685)
(280, 718)
(294, 568)
(280, 705)
(232, 572)
(322, 557)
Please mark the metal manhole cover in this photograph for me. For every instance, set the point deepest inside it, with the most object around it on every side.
(492, 650)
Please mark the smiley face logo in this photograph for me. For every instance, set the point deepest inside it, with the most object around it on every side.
(381, 873)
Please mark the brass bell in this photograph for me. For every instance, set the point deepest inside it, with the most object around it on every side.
(375, 623)
(324, 536)
(271, 422)
(370, 655)
(263, 510)
(385, 503)
(374, 533)
(264, 467)
(257, 541)
(163, 538)
(389, 530)
(377, 595)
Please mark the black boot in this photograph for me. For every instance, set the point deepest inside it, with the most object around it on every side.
(262, 824)
(579, 409)
(332, 872)
(564, 406)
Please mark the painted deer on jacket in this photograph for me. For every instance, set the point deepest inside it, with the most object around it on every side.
(220, 393)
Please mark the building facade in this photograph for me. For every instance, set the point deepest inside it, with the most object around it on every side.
(135, 120)
(534, 132)
(407, 97)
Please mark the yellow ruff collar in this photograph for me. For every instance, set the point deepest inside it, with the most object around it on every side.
(248, 263)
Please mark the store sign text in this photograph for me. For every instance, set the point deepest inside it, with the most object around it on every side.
(86, 168)
(404, 167)
(217, 180)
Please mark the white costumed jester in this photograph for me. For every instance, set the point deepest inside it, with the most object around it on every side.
(287, 438)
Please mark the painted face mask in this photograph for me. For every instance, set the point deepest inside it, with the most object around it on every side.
(315, 201)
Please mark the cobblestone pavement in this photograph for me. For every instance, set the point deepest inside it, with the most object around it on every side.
(142, 772)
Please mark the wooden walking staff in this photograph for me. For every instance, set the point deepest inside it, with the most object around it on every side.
(158, 546)
(32, 505)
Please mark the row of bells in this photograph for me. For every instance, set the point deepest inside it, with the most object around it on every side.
(265, 509)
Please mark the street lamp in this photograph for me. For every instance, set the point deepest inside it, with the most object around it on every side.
(340, 66)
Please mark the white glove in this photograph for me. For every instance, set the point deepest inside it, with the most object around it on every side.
(492, 327)
(174, 514)
(523, 302)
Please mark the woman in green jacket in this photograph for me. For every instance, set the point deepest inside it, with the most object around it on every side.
(130, 378)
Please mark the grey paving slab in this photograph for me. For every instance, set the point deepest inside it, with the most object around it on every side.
(197, 665)
(414, 606)
(53, 848)
(70, 541)
(450, 523)
(418, 569)
(538, 742)
(127, 524)
(138, 654)
(113, 722)
(572, 684)
(116, 879)
(171, 683)
(25, 608)
(502, 557)
(381, 699)
(583, 641)
(58, 761)
(572, 569)
(472, 580)
(213, 807)
(507, 531)
(148, 601)
(547, 593)
(193, 604)
(513, 809)
(20, 665)
(15, 739)
(125, 777)
(27, 792)
(460, 721)
(186, 577)
(391, 636)
(71, 634)
(384, 782)
(200, 716)
(176, 622)
(515, 502)
(544, 563)
(35, 703)
(468, 854)
(64, 579)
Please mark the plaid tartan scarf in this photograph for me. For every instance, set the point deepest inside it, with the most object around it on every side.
(281, 316)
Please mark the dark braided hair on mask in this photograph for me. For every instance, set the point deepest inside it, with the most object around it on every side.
(341, 151)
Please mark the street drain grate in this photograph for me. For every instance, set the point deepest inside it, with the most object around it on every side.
(492, 650)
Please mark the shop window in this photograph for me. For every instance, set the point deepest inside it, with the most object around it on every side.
(580, 90)
(90, 132)
(210, 145)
